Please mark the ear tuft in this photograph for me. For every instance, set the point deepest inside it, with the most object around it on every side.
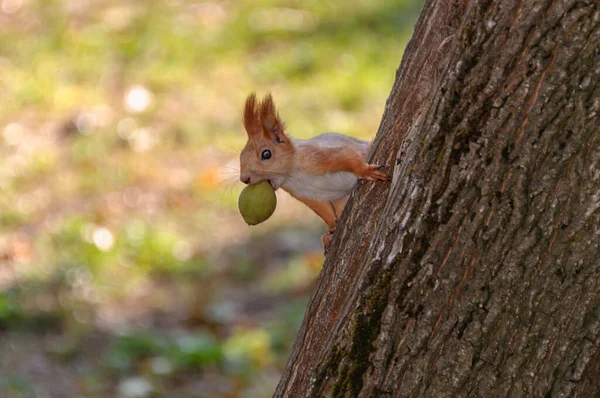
(272, 125)
(251, 116)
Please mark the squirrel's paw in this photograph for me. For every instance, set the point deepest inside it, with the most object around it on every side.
(326, 240)
(374, 172)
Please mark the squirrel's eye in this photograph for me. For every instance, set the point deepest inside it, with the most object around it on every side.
(266, 154)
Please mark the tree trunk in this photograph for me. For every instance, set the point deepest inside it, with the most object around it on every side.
(476, 272)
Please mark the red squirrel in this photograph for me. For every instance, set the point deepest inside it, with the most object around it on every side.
(320, 172)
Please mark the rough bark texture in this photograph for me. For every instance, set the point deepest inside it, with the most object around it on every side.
(476, 272)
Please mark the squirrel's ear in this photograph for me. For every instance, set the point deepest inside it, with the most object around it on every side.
(251, 118)
(272, 125)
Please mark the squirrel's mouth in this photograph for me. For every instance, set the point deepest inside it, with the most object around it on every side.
(272, 184)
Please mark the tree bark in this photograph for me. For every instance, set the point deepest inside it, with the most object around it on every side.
(476, 271)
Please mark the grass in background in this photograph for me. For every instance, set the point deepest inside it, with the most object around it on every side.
(125, 269)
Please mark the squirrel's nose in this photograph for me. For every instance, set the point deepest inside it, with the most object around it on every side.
(245, 179)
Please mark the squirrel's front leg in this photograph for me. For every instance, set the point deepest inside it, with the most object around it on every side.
(349, 159)
(371, 172)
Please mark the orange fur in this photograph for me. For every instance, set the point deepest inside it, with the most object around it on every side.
(325, 210)
(319, 160)
(330, 212)
(251, 122)
(265, 132)
(272, 125)
(324, 165)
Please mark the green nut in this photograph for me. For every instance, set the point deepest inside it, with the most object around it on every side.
(257, 202)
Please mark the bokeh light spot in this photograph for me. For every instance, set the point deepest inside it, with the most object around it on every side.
(138, 99)
(103, 239)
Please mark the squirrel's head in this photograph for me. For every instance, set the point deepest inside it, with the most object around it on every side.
(269, 152)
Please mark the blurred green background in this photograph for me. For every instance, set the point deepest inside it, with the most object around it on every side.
(125, 268)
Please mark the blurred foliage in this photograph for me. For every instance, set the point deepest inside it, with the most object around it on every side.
(125, 269)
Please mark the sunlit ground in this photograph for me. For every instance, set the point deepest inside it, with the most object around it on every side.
(125, 268)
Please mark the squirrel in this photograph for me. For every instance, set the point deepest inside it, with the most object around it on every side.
(319, 172)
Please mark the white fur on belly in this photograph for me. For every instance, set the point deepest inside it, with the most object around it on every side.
(326, 187)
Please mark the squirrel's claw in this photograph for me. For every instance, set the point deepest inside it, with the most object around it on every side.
(326, 240)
